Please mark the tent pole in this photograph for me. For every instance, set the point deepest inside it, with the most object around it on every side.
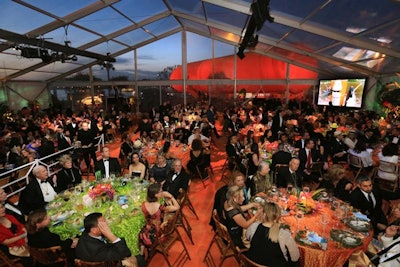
(287, 82)
(234, 75)
(184, 65)
(92, 88)
(136, 80)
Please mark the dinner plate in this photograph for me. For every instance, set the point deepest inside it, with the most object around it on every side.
(346, 238)
(305, 237)
(62, 215)
(358, 225)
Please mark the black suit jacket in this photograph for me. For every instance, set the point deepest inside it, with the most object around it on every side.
(92, 249)
(315, 156)
(45, 239)
(32, 197)
(62, 143)
(285, 177)
(114, 166)
(280, 157)
(337, 147)
(65, 178)
(181, 181)
(299, 144)
(275, 128)
(359, 201)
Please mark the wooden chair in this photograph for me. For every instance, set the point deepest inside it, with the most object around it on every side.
(169, 235)
(182, 221)
(224, 243)
(276, 171)
(5, 261)
(356, 164)
(186, 202)
(48, 256)
(246, 262)
(81, 263)
(316, 167)
(3, 182)
(388, 173)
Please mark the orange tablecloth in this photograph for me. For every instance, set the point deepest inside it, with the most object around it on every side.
(335, 255)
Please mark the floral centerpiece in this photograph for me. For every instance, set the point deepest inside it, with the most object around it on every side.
(102, 190)
(306, 202)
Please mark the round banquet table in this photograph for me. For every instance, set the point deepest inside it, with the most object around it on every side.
(335, 255)
(124, 221)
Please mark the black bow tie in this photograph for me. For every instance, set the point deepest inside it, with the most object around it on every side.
(105, 159)
(43, 182)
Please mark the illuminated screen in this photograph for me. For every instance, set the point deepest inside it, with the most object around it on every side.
(341, 92)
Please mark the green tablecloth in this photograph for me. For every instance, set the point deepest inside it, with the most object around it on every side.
(124, 220)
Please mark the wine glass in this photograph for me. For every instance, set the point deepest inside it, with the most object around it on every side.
(324, 221)
(289, 188)
(299, 216)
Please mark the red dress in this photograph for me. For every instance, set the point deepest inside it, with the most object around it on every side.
(151, 230)
(16, 229)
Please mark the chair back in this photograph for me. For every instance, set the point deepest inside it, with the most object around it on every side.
(4, 181)
(316, 167)
(388, 167)
(222, 232)
(246, 262)
(81, 263)
(5, 261)
(277, 169)
(48, 256)
(355, 161)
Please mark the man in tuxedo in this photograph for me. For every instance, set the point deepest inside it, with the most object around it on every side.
(176, 179)
(63, 138)
(235, 125)
(369, 201)
(73, 128)
(98, 243)
(290, 175)
(301, 143)
(211, 119)
(11, 209)
(107, 165)
(86, 136)
(395, 136)
(233, 151)
(280, 157)
(38, 192)
(278, 123)
(307, 156)
(338, 148)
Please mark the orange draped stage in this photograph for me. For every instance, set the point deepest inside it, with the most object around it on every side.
(252, 67)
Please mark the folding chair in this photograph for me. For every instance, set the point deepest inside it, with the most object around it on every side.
(388, 173)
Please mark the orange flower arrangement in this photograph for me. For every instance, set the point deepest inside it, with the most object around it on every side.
(102, 190)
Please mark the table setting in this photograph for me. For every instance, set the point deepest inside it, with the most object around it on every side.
(119, 200)
(326, 229)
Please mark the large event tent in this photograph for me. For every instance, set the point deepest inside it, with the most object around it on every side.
(40, 40)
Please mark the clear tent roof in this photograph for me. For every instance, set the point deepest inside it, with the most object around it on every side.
(354, 38)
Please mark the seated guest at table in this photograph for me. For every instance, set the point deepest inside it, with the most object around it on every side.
(290, 175)
(369, 201)
(394, 137)
(144, 126)
(15, 156)
(261, 181)
(368, 137)
(235, 125)
(301, 143)
(166, 150)
(351, 139)
(98, 243)
(233, 151)
(360, 150)
(136, 168)
(271, 245)
(253, 159)
(307, 156)
(282, 156)
(390, 237)
(338, 148)
(182, 135)
(38, 192)
(335, 183)
(233, 214)
(389, 153)
(68, 175)
(176, 179)
(237, 179)
(107, 165)
(249, 139)
(12, 234)
(39, 235)
(197, 135)
(11, 209)
(159, 172)
(154, 214)
(199, 159)
(126, 147)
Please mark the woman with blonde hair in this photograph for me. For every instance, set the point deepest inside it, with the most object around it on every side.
(336, 183)
(270, 244)
(234, 214)
(68, 175)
